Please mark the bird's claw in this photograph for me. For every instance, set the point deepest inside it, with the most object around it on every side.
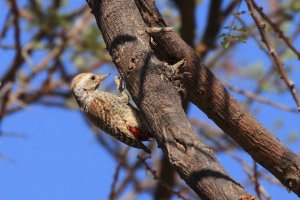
(119, 83)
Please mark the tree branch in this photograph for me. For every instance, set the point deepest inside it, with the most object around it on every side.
(187, 31)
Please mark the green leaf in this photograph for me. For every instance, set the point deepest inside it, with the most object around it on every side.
(225, 42)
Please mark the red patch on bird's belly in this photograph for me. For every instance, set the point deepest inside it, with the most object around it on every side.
(138, 133)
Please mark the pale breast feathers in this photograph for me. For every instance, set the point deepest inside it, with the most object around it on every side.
(109, 113)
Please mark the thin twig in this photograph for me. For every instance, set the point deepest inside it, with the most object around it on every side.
(259, 99)
(6, 25)
(112, 194)
(256, 181)
(276, 29)
(247, 169)
(279, 65)
(10, 74)
(6, 158)
(155, 177)
(234, 18)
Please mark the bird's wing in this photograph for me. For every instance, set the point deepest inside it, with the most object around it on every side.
(125, 118)
(113, 107)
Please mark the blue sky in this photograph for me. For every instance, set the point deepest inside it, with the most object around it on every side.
(59, 158)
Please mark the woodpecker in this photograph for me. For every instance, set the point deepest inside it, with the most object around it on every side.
(109, 112)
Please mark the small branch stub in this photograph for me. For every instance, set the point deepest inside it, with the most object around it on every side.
(156, 30)
(175, 73)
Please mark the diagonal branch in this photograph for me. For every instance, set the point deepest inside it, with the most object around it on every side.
(257, 98)
(10, 74)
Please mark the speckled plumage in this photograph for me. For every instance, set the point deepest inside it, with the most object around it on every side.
(111, 113)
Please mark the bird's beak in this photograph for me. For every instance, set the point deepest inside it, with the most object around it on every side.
(103, 76)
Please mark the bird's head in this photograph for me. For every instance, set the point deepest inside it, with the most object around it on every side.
(87, 81)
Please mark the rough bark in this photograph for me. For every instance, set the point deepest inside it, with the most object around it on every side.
(209, 95)
(123, 30)
(187, 29)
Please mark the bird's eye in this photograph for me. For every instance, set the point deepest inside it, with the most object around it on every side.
(92, 77)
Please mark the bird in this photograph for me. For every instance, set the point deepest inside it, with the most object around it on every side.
(111, 113)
